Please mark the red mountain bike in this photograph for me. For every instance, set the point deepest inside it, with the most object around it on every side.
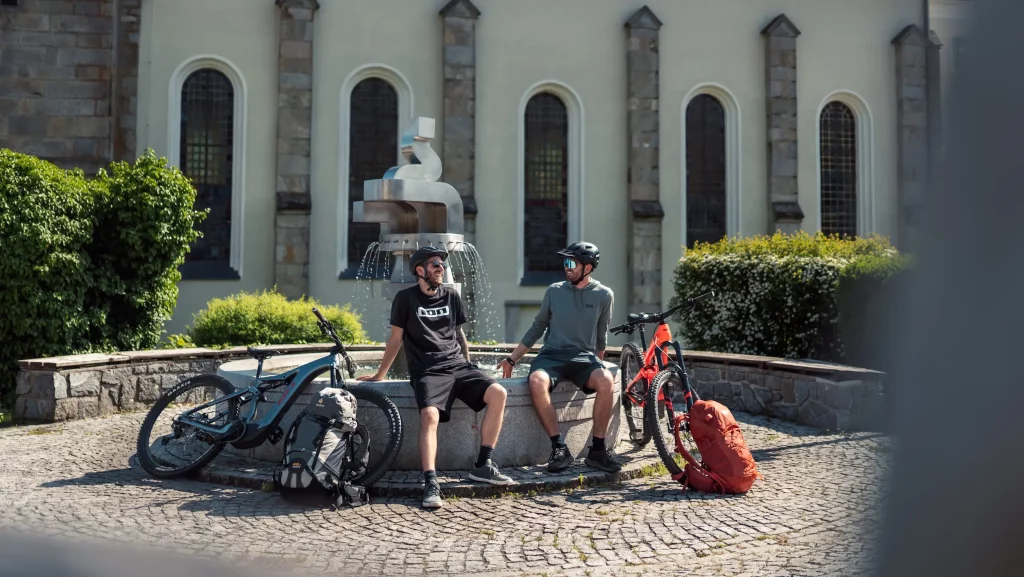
(653, 387)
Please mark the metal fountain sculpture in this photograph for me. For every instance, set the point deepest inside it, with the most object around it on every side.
(413, 208)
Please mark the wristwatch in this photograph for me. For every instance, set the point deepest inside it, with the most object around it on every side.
(510, 361)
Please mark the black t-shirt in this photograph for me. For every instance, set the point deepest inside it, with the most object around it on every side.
(431, 324)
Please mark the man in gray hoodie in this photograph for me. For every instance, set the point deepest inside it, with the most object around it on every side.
(575, 314)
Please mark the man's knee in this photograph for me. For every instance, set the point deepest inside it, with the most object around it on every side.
(539, 383)
(601, 382)
(430, 417)
(495, 394)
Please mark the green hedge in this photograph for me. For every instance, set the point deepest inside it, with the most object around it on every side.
(88, 265)
(794, 296)
(266, 318)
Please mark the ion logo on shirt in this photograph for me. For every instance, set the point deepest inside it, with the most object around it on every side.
(433, 313)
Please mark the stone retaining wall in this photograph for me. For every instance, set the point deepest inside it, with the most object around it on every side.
(824, 395)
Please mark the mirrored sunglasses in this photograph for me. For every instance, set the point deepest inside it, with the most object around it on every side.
(569, 263)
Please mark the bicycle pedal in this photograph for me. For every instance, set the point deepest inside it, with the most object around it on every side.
(275, 435)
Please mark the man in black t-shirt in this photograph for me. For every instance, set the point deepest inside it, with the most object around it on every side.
(427, 320)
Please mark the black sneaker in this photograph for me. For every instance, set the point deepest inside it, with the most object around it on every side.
(432, 496)
(602, 460)
(560, 459)
(488, 473)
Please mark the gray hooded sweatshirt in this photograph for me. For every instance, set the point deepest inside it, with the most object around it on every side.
(576, 320)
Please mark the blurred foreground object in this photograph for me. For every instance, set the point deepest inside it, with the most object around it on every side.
(38, 556)
(954, 505)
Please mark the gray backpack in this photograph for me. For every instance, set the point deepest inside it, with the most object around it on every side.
(326, 448)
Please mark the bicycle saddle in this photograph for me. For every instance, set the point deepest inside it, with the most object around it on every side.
(263, 353)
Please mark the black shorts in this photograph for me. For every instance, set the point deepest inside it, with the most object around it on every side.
(440, 386)
(577, 369)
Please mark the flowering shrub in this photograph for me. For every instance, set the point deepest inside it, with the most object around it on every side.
(784, 295)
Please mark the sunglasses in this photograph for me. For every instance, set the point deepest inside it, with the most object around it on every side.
(569, 264)
(437, 264)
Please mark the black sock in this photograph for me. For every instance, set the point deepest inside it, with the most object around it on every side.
(598, 445)
(429, 476)
(485, 453)
(556, 441)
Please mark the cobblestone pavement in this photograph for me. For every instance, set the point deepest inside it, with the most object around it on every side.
(814, 514)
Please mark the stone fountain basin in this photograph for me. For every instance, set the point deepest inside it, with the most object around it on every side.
(523, 441)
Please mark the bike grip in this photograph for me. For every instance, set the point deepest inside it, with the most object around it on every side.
(318, 315)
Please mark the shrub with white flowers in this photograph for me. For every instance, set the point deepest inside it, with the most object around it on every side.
(784, 295)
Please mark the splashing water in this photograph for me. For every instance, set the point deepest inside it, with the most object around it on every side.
(467, 268)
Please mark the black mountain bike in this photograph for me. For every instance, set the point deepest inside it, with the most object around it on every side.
(213, 420)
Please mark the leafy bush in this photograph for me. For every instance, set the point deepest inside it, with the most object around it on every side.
(45, 270)
(269, 318)
(88, 265)
(144, 224)
(794, 296)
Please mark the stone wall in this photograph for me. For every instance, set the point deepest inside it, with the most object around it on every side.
(68, 76)
(83, 386)
(823, 395)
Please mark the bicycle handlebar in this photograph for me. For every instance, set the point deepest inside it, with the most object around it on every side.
(644, 318)
(327, 327)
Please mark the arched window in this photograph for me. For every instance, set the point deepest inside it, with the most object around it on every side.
(206, 156)
(838, 158)
(546, 179)
(705, 170)
(373, 149)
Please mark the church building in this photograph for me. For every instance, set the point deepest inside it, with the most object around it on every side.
(641, 126)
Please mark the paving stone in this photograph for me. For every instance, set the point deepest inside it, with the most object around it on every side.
(814, 513)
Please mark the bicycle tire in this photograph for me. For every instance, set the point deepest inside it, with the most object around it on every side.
(663, 440)
(142, 450)
(639, 435)
(366, 394)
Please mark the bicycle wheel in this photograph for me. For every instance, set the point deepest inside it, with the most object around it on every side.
(181, 449)
(667, 404)
(630, 362)
(381, 417)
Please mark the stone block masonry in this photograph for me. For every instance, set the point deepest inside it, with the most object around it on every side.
(643, 179)
(784, 211)
(294, 127)
(68, 80)
(912, 116)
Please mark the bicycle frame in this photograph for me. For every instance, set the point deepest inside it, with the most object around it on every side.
(655, 357)
(255, 431)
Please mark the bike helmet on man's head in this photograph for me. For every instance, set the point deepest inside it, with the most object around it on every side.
(583, 252)
(423, 254)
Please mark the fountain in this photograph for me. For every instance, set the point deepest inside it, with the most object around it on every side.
(414, 209)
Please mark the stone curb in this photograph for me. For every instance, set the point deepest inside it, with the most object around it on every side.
(250, 473)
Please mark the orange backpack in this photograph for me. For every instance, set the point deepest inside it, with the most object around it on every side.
(727, 465)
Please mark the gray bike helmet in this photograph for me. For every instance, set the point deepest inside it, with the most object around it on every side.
(583, 252)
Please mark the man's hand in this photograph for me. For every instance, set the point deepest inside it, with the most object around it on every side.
(506, 368)
(373, 377)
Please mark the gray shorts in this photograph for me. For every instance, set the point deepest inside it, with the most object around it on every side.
(577, 369)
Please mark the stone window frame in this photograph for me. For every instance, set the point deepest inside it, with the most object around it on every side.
(237, 79)
(865, 157)
(574, 226)
(406, 108)
(733, 156)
